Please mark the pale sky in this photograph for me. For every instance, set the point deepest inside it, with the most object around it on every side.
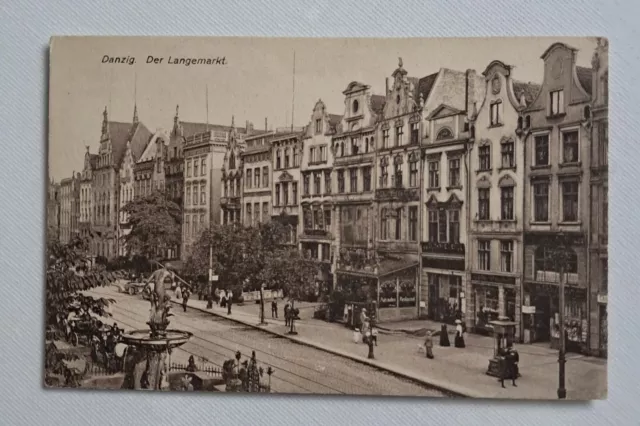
(256, 82)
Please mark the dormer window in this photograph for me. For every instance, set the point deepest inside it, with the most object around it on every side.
(355, 106)
(556, 102)
(318, 126)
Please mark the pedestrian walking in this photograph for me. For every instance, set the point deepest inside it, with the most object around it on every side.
(274, 308)
(216, 295)
(223, 299)
(459, 339)
(511, 358)
(444, 336)
(178, 293)
(287, 309)
(428, 344)
(185, 298)
(229, 301)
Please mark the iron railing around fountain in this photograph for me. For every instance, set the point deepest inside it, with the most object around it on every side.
(211, 370)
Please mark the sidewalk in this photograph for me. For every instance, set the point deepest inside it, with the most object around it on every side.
(457, 371)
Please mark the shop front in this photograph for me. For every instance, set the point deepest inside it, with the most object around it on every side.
(603, 325)
(443, 295)
(541, 316)
(493, 298)
(447, 301)
(391, 286)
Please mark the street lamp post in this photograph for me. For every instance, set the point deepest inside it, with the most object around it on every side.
(560, 254)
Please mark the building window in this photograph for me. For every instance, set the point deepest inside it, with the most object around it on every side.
(508, 159)
(542, 150)
(285, 194)
(385, 138)
(604, 286)
(384, 176)
(570, 146)
(570, 201)
(312, 154)
(286, 158)
(483, 203)
(195, 167)
(306, 184)
(248, 180)
(187, 223)
(278, 159)
(327, 182)
(256, 178)
(496, 113)
(323, 153)
(399, 212)
(203, 166)
(413, 223)
(354, 146)
(484, 255)
(318, 126)
(265, 177)
(399, 133)
(265, 211)
(188, 168)
(249, 218)
(278, 194)
(485, 157)
(296, 157)
(454, 226)
(506, 200)
(434, 174)
(203, 194)
(188, 202)
(413, 173)
(442, 226)
(397, 177)
(415, 133)
(353, 180)
(556, 102)
(605, 213)
(341, 149)
(340, 181)
(454, 172)
(366, 178)
(506, 256)
(294, 193)
(256, 213)
(195, 224)
(384, 226)
(316, 183)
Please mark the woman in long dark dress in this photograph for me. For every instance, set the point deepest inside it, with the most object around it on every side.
(459, 339)
(444, 336)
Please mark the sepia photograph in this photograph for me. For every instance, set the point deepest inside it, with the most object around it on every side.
(416, 217)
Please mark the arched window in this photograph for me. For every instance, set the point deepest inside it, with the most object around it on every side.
(232, 161)
(444, 133)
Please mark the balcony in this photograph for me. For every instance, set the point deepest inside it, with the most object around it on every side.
(230, 201)
(316, 233)
(348, 160)
(435, 247)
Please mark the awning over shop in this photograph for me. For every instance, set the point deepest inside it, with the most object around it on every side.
(388, 265)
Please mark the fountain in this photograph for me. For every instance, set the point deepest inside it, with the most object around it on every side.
(145, 362)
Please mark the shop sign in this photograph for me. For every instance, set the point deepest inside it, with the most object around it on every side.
(389, 294)
(493, 279)
(407, 294)
(603, 298)
(528, 309)
(445, 264)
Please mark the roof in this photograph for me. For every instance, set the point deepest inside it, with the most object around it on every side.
(149, 152)
(377, 103)
(120, 133)
(584, 76)
(530, 90)
(424, 86)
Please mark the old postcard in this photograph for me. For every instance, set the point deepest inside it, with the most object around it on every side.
(408, 217)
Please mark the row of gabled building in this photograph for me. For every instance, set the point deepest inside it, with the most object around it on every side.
(437, 199)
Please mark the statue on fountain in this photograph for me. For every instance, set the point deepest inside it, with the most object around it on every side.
(147, 350)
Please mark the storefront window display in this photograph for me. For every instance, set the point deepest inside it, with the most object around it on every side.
(445, 298)
(487, 305)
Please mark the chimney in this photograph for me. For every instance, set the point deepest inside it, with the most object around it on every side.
(470, 92)
(386, 86)
(265, 124)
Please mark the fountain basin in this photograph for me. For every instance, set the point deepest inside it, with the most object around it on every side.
(169, 340)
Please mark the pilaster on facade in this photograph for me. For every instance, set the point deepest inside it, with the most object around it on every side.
(557, 128)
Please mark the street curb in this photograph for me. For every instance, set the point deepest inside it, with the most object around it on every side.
(447, 388)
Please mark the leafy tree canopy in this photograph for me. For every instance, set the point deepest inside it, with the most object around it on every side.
(155, 223)
(252, 257)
